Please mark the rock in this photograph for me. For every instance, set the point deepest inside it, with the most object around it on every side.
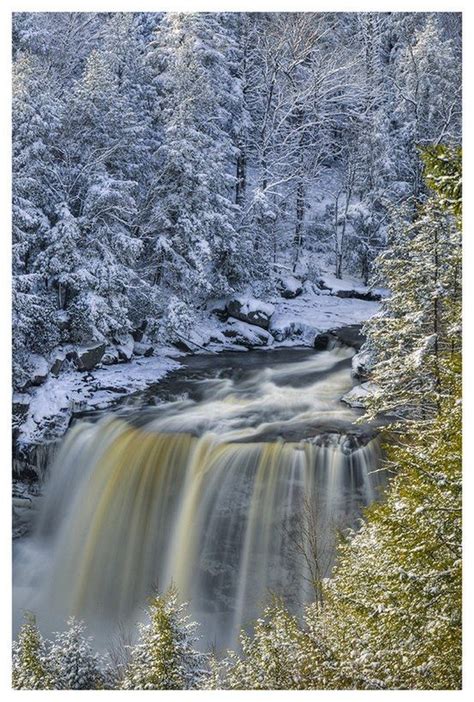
(359, 395)
(58, 362)
(140, 349)
(283, 327)
(20, 409)
(20, 403)
(39, 370)
(361, 365)
(246, 334)
(323, 341)
(251, 311)
(348, 336)
(125, 346)
(349, 289)
(290, 287)
(88, 356)
(110, 357)
(369, 295)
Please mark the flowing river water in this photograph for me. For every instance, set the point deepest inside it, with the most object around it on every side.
(233, 490)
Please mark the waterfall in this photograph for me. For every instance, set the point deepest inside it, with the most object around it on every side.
(201, 497)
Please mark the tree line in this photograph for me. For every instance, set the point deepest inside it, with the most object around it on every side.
(162, 159)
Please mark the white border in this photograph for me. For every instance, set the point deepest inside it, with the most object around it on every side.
(9, 6)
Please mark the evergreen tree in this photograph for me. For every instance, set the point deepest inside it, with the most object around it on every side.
(30, 659)
(75, 666)
(165, 658)
(271, 655)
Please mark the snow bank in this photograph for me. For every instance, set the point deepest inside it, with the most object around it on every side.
(53, 403)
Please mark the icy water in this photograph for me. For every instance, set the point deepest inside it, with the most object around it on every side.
(234, 490)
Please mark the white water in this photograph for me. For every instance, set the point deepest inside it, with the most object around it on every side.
(211, 495)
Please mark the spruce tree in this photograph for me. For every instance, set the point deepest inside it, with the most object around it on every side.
(166, 658)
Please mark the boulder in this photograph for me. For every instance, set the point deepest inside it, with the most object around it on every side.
(323, 341)
(219, 309)
(251, 311)
(361, 365)
(349, 288)
(20, 409)
(359, 395)
(142, 349)
(290, 287)
(110, 357)
(58, 362)
(139, 331)
(125, 346)
(368, 295)
(86, 357)
(348, 336)
(246, 334)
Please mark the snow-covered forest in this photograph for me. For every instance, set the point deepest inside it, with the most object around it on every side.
(187, 187)
(163, 160)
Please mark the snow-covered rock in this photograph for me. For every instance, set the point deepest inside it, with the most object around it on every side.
(359, 395)
(250, 310)
(142, 349)
(350, 288)
(20, 407)
(58, 361)
(361, 365)
(88, 356)
(283, 328)
(219, 309)
(125, 346)
(290, 287)
(139, 331)
(21, 403)
(110, 357)
(246, 335)
(39, 370)
(52, 405)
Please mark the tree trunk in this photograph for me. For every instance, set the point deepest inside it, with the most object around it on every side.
(241, 178)
(300, 206)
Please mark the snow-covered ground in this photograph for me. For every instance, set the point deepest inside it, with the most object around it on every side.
(301, 319)
(59, 397)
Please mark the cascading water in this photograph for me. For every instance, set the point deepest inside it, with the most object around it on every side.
(211, 494)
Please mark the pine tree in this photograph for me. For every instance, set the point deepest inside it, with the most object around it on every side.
(165, 658)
